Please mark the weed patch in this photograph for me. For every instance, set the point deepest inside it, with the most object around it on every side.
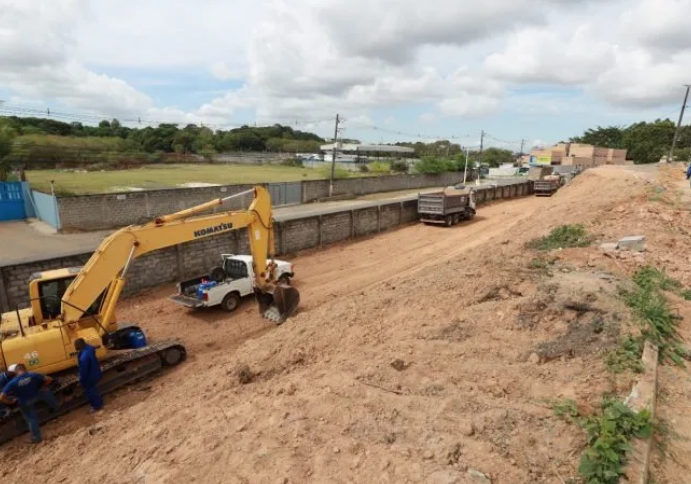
(562, 237)
(626, 357)
(609, 438)
(651, 308)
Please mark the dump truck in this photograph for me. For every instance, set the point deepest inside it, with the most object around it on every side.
(447, 207)
(547, 186)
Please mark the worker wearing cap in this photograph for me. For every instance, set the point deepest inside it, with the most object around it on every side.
(26, 389)
(89, 373)
(5, 378)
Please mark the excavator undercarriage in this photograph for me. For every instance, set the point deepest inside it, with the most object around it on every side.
(122, 368)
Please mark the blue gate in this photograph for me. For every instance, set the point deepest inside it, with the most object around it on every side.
(11, 201)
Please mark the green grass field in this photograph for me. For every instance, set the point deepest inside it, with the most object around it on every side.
(164, 176)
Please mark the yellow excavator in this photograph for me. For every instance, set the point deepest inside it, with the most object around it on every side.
(72, 303)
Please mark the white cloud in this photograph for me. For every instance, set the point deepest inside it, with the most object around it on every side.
(663, 24)
(551, 56)
(222, 72)
(306, 60)
(427, 118)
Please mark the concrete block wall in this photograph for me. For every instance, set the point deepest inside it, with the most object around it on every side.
(105, 211)
(196, 258)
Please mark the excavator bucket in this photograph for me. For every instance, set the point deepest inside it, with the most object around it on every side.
(278, 303)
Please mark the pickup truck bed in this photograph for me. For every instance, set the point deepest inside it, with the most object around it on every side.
(187, 301)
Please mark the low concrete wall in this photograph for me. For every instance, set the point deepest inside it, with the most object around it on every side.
(196, 258)
(106, 211)
(313, 190)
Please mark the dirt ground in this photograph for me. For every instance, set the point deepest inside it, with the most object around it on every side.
(426, 355)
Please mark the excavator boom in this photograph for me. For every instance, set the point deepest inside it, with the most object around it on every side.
(112, 258)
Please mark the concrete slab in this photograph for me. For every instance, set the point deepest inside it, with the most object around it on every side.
(25, 242)
(634, 243)
(642, 397)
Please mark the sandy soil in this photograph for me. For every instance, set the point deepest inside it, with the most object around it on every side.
(423, 355)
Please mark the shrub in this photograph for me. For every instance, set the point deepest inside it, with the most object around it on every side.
(399, 166)
(433, 165)
(292, 162)
(339, 172)
(363, 168)
(379, 167)
(562, 237)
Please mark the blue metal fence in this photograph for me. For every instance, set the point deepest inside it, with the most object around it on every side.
(11, 201)
(46, 208)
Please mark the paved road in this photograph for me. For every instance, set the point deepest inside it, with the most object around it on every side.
(25, 242)
(29, 241)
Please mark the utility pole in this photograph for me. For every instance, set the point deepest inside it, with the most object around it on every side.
(681, 118)
(522, 144)
(482, 144)
(465, 169)
(333, 160)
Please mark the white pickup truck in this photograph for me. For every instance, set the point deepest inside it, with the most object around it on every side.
(226, 285)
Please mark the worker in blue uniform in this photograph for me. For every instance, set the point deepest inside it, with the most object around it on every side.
(26, 389)
(89, 373)
(6, 377)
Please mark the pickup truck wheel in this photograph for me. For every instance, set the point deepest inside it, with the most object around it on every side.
(448, 221)
(284, 279)
(231, 302)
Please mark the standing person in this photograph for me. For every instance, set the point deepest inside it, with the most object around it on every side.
(5, 378)
(688, 172)
(89, 373)
(26, 389)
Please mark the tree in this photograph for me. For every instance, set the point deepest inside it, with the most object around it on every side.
(496, 157)
(6, 138)
(434, 165)
(609, 137)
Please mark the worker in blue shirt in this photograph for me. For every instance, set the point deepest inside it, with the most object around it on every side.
(688, 172)
(89, 373)
(26, 389)
(5, 378)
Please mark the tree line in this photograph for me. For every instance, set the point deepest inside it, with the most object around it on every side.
(645, 142)
(46, 143)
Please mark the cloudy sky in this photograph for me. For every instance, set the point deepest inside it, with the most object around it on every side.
(534, 69)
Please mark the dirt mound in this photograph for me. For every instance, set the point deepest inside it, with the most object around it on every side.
(411, 361)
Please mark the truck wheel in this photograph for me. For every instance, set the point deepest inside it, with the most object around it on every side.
(471, 214)
(448, 221)
(231, 302)
(456, 219)
(284, 279)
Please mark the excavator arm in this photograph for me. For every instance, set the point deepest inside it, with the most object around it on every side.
(107, 267)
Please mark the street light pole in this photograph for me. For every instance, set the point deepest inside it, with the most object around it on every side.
(333, 160)
(465, 169)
